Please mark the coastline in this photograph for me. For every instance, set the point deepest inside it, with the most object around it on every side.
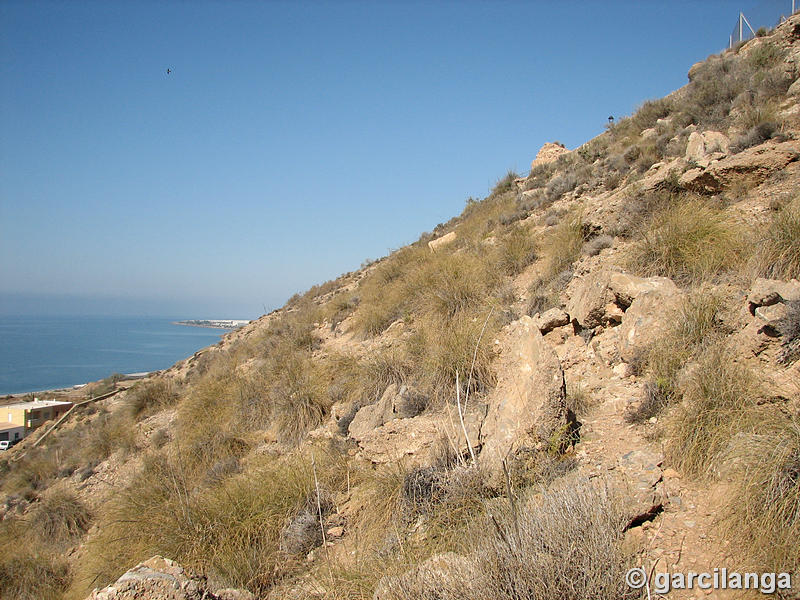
(227, 324)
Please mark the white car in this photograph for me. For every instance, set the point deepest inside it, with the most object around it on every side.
(5, 445)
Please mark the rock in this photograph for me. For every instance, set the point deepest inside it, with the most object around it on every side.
(401, 402)
(766, 292)
(335, 532)
(645, 321)
(232, 594)
(649, 134)
(550, 319)
(162, 579)
(601, 297)
(794, 89)
(528, 405)
(548, 153)
(701, 145)
(440, 242)
(772, 315)
(416, 439)
(750, 167)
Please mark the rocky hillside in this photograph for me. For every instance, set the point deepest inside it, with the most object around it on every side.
(593, 368)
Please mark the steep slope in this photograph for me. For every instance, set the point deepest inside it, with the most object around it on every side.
(594, 368)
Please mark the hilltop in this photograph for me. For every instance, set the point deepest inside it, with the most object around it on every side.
(593, 368)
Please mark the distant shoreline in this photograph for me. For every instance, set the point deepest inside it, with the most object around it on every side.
(213, 323)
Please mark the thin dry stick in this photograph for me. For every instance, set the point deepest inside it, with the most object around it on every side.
(475, 356)
(321, 521)
(461, 418)
(453, 445)
(511, 497)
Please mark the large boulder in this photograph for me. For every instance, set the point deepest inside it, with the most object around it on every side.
(528, 405)
(701, 146)
(162, 579)
(416, 440)
(440, 242)
(600, 297)
(397, 402)
(647, 318)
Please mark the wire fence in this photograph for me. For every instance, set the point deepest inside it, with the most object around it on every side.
(743, 31)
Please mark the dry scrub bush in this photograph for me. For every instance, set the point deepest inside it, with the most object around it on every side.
(563, 245)
(764, 509)
(564, 544)
(719, 401)
(694, 327)
(59, 518)
(29, 570)
(230, 531)
(516, 250)
(689, 241)
(778, 254)
(439, 348)
(789, 328)
(151, 396)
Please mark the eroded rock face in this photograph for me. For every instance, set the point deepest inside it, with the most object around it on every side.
(548, 153)
(440, 242)
(163, 579)
(601, 297)
(415, 440)
(750, 167)
(648, 316)
(397, 402)
(702, 145)
(529, 403)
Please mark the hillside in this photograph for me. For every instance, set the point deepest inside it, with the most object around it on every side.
(593, 368)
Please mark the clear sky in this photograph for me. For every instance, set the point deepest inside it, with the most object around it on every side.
(292, 140)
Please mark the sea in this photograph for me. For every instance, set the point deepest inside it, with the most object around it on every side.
(43, 353)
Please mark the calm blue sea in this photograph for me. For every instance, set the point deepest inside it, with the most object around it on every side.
(41, 353)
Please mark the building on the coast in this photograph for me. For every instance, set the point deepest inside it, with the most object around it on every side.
(11, 433)
(30, 415)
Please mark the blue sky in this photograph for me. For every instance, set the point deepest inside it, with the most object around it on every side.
(291, 140)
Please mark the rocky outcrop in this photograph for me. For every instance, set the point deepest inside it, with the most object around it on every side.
(401, 402)
(548, 153)
(550, 319)
(601, 297)
(750, 167)
(702, 147)
(440, 242)
(528, 406)
(767, 292)
(647, 318)
(417, 439)
(162, 579)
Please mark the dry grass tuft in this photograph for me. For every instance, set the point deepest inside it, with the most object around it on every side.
(719, 398)
(690, 242)
(778, 254)
(564, 544)
(764, 508)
